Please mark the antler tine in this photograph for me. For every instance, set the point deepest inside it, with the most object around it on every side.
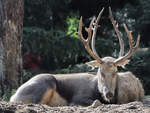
(133, 49)
(129, 34)
(138, 41)
(95, 31)
(115, 25)
(80, 31)
(137, 45)
(131, 42)
(87, 41)
(89, 30)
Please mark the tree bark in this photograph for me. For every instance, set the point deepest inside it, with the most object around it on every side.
(11, 24)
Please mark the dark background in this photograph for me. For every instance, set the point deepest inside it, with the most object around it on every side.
(51, 44)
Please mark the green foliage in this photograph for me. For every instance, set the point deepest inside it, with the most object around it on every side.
(72, 22)
(55, 48)
(144, 18)
(45, 13)
(7, 94)
(78, 68)
(27, 75)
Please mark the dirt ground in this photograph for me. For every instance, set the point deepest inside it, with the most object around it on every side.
(133, 107)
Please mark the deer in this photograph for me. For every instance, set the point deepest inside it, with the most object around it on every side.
(107, 85)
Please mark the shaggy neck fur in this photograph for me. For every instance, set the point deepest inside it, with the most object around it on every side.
(115, 99)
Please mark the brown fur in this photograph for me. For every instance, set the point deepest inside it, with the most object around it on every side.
(57, 100)
(47, 96)
(52, 98)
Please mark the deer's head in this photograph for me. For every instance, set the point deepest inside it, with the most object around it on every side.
(107, 72)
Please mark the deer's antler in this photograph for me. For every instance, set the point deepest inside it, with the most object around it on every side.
(133, 49)
(86, 42)
(95, 31)
(115, 25)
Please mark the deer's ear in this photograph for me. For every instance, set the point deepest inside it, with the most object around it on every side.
(93, 63)
(124, 63)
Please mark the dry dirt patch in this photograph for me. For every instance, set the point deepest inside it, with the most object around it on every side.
(133, 107)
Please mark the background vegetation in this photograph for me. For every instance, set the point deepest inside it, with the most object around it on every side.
(51, 44)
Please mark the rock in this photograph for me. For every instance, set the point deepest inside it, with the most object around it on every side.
(95, 104)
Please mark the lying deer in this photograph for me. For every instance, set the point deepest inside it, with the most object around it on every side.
(108, 85)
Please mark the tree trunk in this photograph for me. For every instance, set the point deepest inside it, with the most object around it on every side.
(11, 24)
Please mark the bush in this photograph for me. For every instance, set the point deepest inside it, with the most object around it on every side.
(7, 94)
(58, 50)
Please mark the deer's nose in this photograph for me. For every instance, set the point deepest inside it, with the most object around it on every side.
(109, 95)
